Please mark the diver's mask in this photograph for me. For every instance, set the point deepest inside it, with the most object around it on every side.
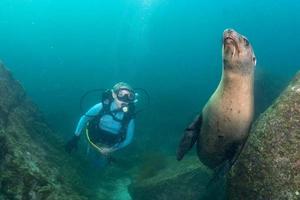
(126, 96)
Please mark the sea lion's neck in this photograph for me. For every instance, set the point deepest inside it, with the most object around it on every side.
(237, 80)
(238, 67)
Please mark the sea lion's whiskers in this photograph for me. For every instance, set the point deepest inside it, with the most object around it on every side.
(233, 54)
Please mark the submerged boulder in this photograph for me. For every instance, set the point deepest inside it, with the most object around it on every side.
(269, 166)
(176, 181)
(31, 165)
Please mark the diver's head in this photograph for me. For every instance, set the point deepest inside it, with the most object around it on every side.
(123, 95)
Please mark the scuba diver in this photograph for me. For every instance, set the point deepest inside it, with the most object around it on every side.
(109, 125)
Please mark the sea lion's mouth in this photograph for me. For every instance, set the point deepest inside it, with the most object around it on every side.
(230, 44)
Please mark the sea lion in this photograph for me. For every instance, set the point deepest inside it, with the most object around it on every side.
(222, 127)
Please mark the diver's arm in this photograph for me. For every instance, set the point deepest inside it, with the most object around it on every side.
(73, 142)
(90, 114)
(129, 136)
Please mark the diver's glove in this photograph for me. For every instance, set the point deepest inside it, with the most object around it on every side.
(72, 144)
(106, 151)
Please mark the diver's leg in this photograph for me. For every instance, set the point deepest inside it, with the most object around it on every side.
(98, 160)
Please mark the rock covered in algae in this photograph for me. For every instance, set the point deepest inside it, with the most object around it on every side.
(177, 181)
(269, 166)
(30, 163)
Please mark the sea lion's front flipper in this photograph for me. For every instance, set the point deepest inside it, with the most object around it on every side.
(190, 137)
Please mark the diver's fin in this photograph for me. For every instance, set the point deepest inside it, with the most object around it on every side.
(190, 137)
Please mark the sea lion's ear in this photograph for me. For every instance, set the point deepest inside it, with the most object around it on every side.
(254, 60)
(189, 137)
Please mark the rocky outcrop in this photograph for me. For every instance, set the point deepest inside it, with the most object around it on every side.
(178, 180)
(269, 166)
(31, 163)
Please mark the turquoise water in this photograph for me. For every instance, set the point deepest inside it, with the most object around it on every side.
(59, 49)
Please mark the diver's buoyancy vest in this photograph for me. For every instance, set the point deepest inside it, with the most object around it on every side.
(94, 128)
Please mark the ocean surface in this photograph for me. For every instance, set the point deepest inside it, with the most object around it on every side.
(60, 49)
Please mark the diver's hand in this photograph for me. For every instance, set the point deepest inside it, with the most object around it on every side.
(106, 151)
(72, 144)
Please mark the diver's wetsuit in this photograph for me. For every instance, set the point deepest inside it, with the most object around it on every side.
(107, 123)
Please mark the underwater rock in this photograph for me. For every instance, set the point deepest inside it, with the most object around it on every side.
(178, 180)
(30, 163)
(269, 166)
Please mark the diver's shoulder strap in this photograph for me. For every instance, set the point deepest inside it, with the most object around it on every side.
(106, 101)
(125, 122)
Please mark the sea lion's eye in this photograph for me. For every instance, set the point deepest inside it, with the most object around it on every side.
(246, 42)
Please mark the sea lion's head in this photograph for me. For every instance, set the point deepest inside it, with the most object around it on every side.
(238, 54)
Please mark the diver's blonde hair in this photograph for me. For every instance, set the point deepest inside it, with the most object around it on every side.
(120, 85)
